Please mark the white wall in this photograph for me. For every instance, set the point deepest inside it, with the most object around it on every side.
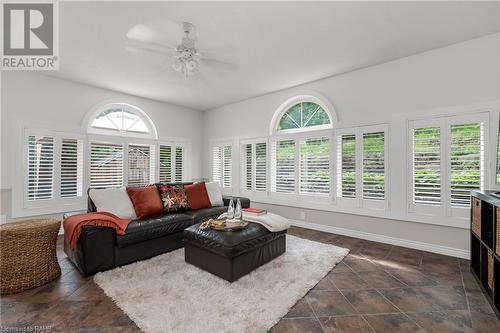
(37, 101)
(459, 78)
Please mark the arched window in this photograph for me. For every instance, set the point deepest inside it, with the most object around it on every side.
(303, 113)
(123, 119)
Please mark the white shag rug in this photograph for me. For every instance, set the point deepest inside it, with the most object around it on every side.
(165, 294)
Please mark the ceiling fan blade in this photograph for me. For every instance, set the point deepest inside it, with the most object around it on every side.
(220, 64)
(136, 46)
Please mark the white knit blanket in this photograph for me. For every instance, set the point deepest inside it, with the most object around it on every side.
(270, 221)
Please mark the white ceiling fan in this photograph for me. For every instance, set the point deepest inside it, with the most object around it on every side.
(184, 58)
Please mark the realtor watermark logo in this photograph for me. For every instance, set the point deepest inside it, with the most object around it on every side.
(30, 36)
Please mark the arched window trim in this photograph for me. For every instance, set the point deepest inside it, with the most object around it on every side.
(97, 110)
(306, 97)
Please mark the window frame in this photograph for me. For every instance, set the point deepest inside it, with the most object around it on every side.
(96, 111)
(222, 144)
(301, 98)
(243, 165)
(45, 206)
(174, 143)
(444, 122)
(358, 200)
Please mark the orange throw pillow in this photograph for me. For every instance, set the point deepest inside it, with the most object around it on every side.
(146, 201)
(197, 196)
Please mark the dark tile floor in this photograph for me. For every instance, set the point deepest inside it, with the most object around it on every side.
(377, 288)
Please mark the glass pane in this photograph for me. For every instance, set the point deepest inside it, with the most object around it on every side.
(319, 118)
(120, 119)
(348, 166)
(106, 165)
(465, 155)
(165, 164)
(179, 169)
(138, 165)
(40, 167)
(315, 166)
(285, 166)
(373, 166)
(427, 166)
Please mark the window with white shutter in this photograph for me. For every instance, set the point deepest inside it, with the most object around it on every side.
(139, 167)
(227, 167)
(179, 164)
(427, 166)
(106, 165)
(222, 165)
(165, 164)
(465, 162)
(261, 166)
(253, 162)
(71, 168)
(40, 184)
(247, 166)
(374, 166)
(283, 166)
(315, 166)
(346, 166)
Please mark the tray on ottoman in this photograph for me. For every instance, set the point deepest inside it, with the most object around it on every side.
(230, 255)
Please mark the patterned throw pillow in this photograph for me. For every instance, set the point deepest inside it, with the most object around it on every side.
(173, 197)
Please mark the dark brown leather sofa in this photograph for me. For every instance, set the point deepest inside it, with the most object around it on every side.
(100, 248)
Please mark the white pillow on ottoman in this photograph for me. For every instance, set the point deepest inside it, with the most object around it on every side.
(214, 194)
(113, 200)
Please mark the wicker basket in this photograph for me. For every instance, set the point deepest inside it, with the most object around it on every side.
(497, 250)
(476, 216)
(28, 254)
(490, 269)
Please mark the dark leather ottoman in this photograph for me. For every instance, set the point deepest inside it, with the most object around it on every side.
(230, 255)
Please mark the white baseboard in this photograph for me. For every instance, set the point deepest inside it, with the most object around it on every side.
(449, 251)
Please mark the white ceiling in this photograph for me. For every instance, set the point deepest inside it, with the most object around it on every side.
(276, 44)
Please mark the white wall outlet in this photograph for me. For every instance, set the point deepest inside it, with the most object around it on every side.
(302, 215)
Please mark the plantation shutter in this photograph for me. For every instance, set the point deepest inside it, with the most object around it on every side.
(261, 166)
(373, 166)
(346, 166)
(466, 161)
(247, 164)
(106, 165)
(165, 164)
(40, 167)
(283, 166)
(227, 167)
(179, 165)
(315, 166)
(138, 165)
(71, 168)
(217, 164)
(427, 166)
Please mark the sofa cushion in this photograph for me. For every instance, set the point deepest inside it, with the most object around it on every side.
(113, 200)
(146, 201)
(214, 194)
(200, 215)
(173, 197)
(230, 244)
(197, 196)
(146, 229)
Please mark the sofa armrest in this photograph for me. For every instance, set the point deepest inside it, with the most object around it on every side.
(245, 202)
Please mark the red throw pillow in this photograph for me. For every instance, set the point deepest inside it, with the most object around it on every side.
(197, 196)
(146, 201)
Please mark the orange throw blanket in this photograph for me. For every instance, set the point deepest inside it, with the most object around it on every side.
(73, 224)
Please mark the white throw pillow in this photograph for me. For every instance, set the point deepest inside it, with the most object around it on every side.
(214, 194)
(113, 200)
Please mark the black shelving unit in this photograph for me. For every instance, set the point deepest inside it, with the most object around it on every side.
(485, 245)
